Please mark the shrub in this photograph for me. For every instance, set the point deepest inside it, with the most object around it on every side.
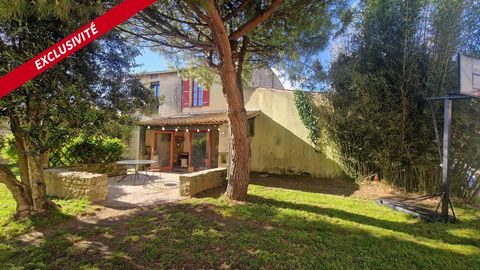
(88, 149)
(8, 150)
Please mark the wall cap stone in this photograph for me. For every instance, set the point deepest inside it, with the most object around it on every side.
(203, 172)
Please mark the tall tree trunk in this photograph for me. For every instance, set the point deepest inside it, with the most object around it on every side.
(37, 182)
(239, 141)
(19, 190)
(239, 171)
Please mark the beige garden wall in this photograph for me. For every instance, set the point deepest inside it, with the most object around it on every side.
(65, 183)
(193, 183)
(280, 143)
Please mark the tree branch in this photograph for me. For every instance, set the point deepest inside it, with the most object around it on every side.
(241, 59)
(236, 11)
(154, 19)
(199, 13)
(251, 24)
(19, 191)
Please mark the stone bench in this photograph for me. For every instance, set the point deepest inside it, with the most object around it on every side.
(76, 184)
(193, 183)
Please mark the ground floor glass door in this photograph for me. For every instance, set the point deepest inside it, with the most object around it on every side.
(200, 150)
(163, 149)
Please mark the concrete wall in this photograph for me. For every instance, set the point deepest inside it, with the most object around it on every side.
(260, 78)
(193, 183)
(223, 146)
(265, 78)
(76, 184)
(280, 143)
(170, 88)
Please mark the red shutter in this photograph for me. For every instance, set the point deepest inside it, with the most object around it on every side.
(206, 97)
(185, 93)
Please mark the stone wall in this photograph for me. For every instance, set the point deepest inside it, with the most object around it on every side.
(108, 168)
(193, 183)
(76, 184)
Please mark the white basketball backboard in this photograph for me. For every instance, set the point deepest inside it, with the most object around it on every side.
(469, 72)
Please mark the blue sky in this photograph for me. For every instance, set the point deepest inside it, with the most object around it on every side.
(153, 61)
(150, 61)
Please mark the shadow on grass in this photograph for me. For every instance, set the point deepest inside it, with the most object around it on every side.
(434, 231)
(211, 193)
(257, 235)
(297, 183)
(58, 212)
(305, 183)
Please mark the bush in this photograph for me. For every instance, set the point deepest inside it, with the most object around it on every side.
(8, 150)
(87, 149)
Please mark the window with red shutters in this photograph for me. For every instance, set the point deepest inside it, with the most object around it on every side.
(185, 93)
(206, 97)
(197, 94)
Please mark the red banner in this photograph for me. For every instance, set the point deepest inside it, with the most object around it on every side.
(79, 39)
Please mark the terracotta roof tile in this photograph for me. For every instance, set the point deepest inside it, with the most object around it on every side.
(211, 118)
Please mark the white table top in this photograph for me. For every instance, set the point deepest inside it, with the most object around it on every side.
(136, 162)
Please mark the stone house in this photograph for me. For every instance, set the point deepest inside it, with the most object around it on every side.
(190, 133)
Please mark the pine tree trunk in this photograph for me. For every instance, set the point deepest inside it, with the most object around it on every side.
(239, 149)
(37, 183)
(230, 72)
(239, 141)
(19, 191)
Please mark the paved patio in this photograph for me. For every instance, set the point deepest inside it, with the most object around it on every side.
(147, 190)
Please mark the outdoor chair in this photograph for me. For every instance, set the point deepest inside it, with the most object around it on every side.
(158, 165)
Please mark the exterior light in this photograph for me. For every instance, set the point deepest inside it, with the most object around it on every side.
(208, 130)
(198, 130)
(148, 127)
(186, 130)
(176, 129)
(218, 129)
(163, 128)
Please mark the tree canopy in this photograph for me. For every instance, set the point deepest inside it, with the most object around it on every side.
(283, 34)
(85, 92)
(399, 53)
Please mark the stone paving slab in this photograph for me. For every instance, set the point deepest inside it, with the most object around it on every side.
(147, 190)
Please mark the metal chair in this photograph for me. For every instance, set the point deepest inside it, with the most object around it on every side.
(159, 165)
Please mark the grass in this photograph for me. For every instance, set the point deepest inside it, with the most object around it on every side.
(10, 228)
(275, 229)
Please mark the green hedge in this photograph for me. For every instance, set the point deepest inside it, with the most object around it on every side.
(80, 150)
(88, 149)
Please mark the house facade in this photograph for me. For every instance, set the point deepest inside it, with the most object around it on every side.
(190, 132)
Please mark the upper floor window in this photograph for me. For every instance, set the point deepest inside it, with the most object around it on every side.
(194, 95)
(155, 86)
(197, 100)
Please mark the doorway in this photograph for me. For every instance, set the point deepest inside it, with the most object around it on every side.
(200, 150)
(162, 150)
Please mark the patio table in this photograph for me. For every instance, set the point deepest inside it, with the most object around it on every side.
(135, 163)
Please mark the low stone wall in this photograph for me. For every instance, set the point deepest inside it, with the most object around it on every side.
(110, 168)
(76, 184)
(193, 183)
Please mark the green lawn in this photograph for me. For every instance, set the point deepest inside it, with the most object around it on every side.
(10, 228)
(276, 229)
